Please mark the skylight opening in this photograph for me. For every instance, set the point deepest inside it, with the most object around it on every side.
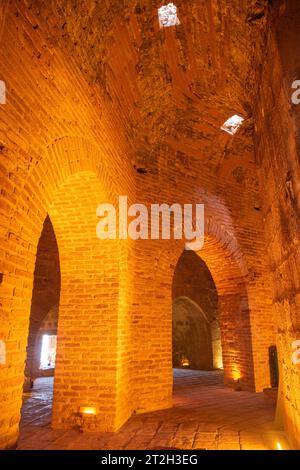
(167, 16)
(233, 124)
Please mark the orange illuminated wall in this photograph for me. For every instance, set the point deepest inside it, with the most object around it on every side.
(277, 152)
(61, 157)
(73, 136)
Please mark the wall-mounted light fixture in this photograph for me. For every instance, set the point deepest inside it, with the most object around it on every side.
(236, 375)
(87, 410)
(185, 362)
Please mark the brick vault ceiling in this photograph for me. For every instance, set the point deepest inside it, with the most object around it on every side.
(169, 85)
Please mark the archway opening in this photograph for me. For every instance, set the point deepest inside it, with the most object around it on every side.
(42, 337)
(196, 330)
(91, 294)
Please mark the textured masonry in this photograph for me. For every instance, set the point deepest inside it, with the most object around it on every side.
(101, 102)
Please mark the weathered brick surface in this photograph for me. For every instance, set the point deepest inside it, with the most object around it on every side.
(92, 95)
(53, 140)
(277, 150)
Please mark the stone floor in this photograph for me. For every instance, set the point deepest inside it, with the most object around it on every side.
(206, 415)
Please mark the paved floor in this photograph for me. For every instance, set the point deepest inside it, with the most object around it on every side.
(206, 415)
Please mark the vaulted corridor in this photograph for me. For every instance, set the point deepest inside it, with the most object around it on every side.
(149, 222)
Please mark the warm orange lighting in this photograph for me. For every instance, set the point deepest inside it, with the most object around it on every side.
(87, 410)
(185, 362)
(278, 445)
(236, 375)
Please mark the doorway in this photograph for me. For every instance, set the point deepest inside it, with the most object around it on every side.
(42, 337)
(196, 329)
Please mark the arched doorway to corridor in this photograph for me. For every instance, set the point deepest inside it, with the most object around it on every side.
(196, 335)
(196, 328)
(88, 303)
(42, 337)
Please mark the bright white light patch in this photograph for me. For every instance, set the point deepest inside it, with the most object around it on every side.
(167, 16)
(2, 352)
(87, 410)
(232, 124)
(48, 352)
(2, 92)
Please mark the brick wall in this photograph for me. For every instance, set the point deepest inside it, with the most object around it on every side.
(52, 131)
(277, 153)
(71, 136)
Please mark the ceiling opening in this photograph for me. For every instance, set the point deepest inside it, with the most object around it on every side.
(233, 124)
(167, 16)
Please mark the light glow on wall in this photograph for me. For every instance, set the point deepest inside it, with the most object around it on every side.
(88, 410)
(236, 375)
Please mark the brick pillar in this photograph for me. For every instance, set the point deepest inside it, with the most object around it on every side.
(89, 371)
(17, 266)
(152, 317)
(87, 364)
